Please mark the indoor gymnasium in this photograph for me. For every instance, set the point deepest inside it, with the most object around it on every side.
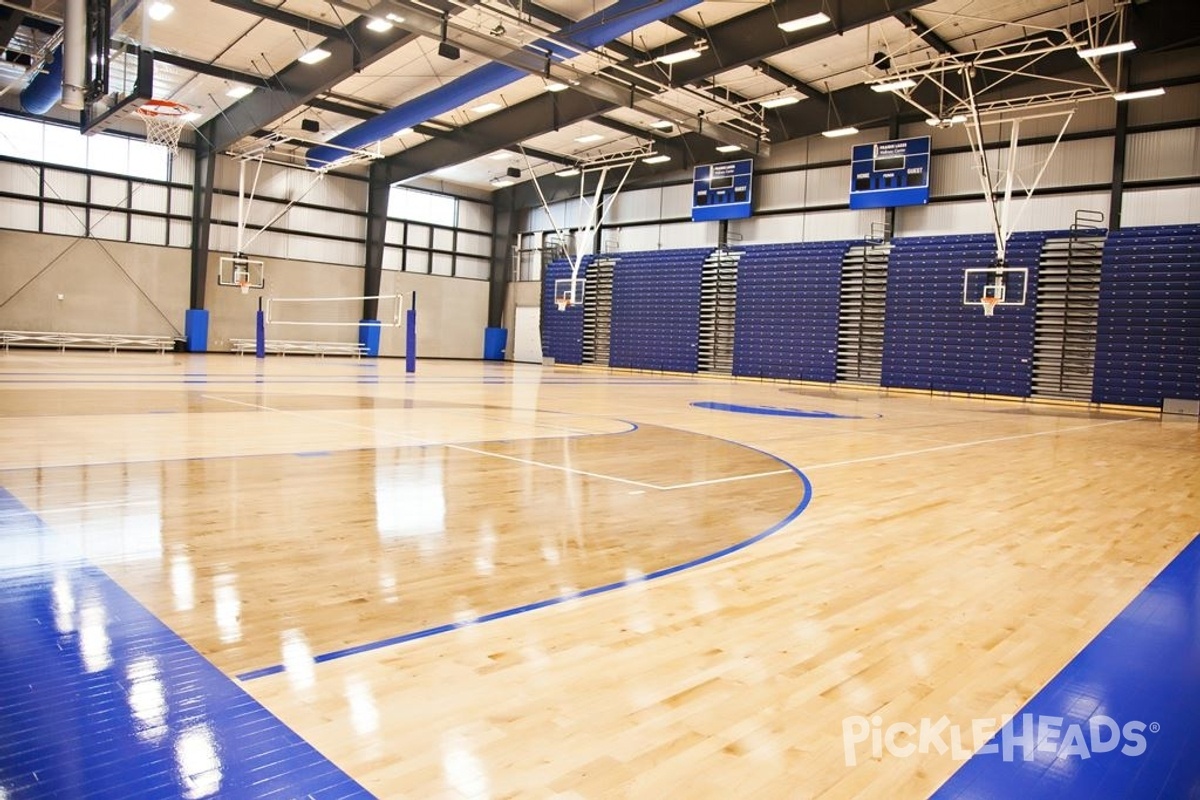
(600, 399)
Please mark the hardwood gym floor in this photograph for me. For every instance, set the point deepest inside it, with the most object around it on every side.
(326, 577)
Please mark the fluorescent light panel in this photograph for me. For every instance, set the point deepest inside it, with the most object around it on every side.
(237, 92)
(569, 172)
(682, 55)
(403, 132)
(379, 25)
(500, 183)
(1139, 95)
(1106, 50)
(589, 138)
(662, 125)
(394, 18)
(728, 148)
(485, 108)
(849, 130)
(658, 159)
(555, 86)
(800, 23)
(893, 86)
(314, 56)
(778, 102)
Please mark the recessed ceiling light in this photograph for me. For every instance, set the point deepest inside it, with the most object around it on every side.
(159, 10)
(239, 91)
(728, 148)
(379, 25)
(682, 55)
(316, 55)
(485, 108)
(589, 138)
(403, 132)
(1106, 50)
(893, 86)
(778, 102)
(656, 159)
(1140, 95)
(394, 18)
(800, 23)
(555, 86)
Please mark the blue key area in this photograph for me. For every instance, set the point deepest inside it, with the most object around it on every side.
(1121, 720)
(99, 699)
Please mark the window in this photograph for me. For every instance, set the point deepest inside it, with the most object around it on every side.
(411, 204)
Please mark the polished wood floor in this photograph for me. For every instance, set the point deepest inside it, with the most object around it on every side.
(492, 580)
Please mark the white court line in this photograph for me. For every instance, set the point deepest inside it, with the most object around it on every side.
(960, 445)
(694, 484)
(558, 467)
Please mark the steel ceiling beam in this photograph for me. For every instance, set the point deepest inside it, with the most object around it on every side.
(924, 32)
(285, 18)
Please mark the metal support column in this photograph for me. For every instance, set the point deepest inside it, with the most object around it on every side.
(377, 207)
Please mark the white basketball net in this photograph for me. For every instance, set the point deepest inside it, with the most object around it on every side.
(164, 122)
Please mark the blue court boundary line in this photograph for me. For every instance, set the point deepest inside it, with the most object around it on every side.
(492, 616)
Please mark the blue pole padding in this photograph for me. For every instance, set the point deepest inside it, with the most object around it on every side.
(410, 341)
(260, 334)
(368, 336)
(195, 330)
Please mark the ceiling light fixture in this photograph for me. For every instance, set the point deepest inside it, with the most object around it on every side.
(396, 18)
(728, 148)
(238, 92)
(485, 108)
(1139, 95)
(946, 122)
(893, 86)
(569, 172)
(379, 25)
(800, 23)
(159, 10)
(501, 183)
(656, 159)
(403, 132)
(589, 138)
(662, 125)
(835, 133)
(314, 56)
(1106, 50)
(779, 102)
(682, 55)
(556, 86)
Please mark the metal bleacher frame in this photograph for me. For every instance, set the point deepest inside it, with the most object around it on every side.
(87, 341)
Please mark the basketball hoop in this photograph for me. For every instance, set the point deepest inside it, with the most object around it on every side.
(242, 278)
(562, 303)
(989, 303)
(244, 285)
(164, 122)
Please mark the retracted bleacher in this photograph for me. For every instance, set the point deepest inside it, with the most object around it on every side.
(787, 311)
(562, 331)
(932, 341)
(656, 309)
(1148, 335)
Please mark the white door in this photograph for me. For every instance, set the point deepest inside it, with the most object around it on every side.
(527, 338)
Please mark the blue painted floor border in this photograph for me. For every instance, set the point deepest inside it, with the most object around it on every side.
(99, 699)
(1121, 720)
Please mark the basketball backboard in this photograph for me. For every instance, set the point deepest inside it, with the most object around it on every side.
(990, 287)
(244, 273)
(120, 65)
(568, 292)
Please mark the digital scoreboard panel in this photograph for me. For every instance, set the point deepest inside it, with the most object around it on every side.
(887, 174)
(722, 191)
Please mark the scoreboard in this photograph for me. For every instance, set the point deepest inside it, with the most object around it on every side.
(722, 191)
(886, 174)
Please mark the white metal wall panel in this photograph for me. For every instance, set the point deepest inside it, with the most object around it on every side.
(780, 190)
(677, 201)
(443, 239)
(1045, 212)
(109, 191)
(394, 233)
(1073, 163)
(475, 244)
(149, 230)
(181, 233)
(66, 185)
(151, 197)
(183, 166)
(181, 201)
(474, 216)
(689, 234)
(417, 261)
(1176, 205)
(418, 235)
(442, 264)
(636, 205)
(19, 179)
(67, 221)
(827, 186)
(109, 226)
(19, 215)
(1163, 154)
(479, 268)
(393, 258)
(955, 174)
(1179, 104)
